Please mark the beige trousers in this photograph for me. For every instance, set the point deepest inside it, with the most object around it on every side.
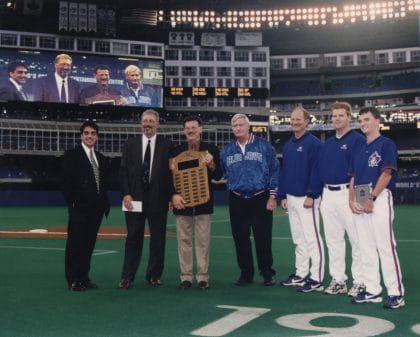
(198, 226)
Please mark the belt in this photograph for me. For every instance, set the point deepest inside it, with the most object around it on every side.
(247, 195)
(337, 187)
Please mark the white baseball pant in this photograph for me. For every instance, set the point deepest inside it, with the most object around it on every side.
(304, 227)
(377, 243)
(338, 219)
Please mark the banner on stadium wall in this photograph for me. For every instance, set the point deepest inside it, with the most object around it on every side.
(92, 27)
(83, 18)
(213, 39)
(73, 14)
(111, 28)
(63, 16)
(248, 39)
(32, 7)
(181, 39)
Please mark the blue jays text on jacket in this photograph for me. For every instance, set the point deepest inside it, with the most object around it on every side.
(300, 169)
(255, 170)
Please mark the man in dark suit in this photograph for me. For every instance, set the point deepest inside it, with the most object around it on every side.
(58, 87)
(85, 178)
(13, 89)
(146, 177)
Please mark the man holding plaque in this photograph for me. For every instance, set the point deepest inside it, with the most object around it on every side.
(195, 219)
(252, 170)
(374, 171)
(101, 92)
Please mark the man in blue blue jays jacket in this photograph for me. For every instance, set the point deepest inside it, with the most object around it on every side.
(252, 170)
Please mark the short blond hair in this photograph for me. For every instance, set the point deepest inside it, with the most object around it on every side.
(342, 105)
(63, 56)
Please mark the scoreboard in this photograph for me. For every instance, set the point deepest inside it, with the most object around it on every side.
(218, 92)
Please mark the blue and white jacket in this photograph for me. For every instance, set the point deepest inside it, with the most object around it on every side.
(253, 171)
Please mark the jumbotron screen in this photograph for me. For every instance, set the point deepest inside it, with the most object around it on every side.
(44, 76)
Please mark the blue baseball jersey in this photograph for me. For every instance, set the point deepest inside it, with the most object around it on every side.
(335, 157)
(372, 159)
(300, 168)
(255, 170)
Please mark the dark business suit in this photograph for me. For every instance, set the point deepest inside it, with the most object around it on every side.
(155, 205)
(8, 92)
(86, 208)
(46, 90)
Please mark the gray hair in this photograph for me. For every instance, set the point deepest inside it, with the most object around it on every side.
(150, 112)
(131, 67)
(239, 116)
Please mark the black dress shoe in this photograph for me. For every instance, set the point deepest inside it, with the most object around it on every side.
(203, 285)
(77, 286)
(269, 281)
(154, 282)
(90, 285)
(124, 284)
(185, 284)
(243, 281)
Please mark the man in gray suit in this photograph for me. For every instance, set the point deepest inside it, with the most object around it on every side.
(146, 177)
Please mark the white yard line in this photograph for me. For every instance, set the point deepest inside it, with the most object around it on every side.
(95, 252)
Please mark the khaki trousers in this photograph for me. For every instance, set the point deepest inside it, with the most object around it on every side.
(198, 226)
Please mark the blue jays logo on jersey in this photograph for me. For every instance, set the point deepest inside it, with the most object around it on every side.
(300, 149)
(374, 159)
(344, 147)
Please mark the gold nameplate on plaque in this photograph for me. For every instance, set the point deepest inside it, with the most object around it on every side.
(190, 177)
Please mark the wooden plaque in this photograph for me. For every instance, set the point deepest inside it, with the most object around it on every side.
(190, 177)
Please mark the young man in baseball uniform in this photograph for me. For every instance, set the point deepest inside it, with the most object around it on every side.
(338, 218)
(299, 191)
(373, 171)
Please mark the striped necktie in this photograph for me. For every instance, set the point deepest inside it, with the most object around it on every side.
(95, 169)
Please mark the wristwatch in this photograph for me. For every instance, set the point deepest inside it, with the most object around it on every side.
(372, 197)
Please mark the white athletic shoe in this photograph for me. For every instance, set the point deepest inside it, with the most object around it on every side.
(356, 289)
(336, 288)
(394, 302)
(293, 280)
(311, 285)
(366, 297)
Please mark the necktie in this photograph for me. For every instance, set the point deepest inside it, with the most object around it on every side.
(63, 93)
(95, 169)
(23, 95)
(146, 167)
